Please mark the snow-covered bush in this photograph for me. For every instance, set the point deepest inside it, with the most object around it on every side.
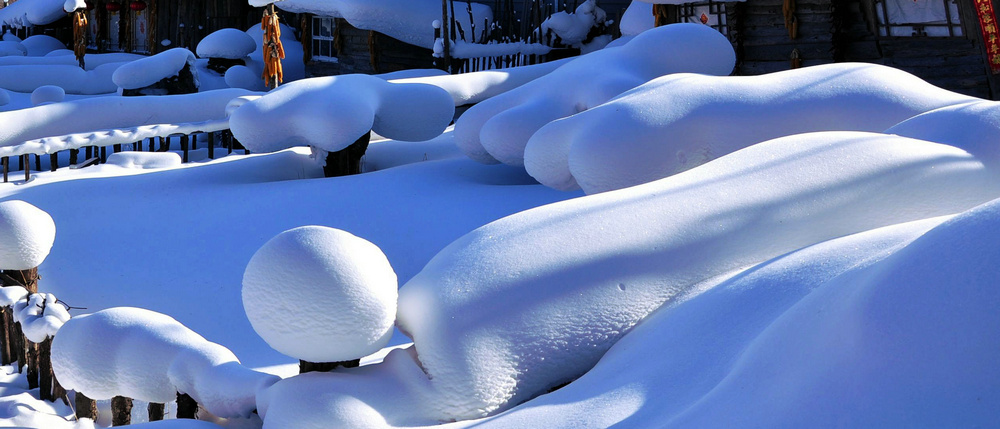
(26, 235)
(149, 356)
(169, 72)
(41, 45)
(330, 113)
(320, 294)
(532, 301)
(47, 94)
(499, 128)
(578, 28)
(40, 315)
(680, 121)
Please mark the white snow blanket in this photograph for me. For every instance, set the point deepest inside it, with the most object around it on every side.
(40, 45)
(29, 13)
(149, 356)
(474, 87)
(971, 126)
(680, 121)
(408, 20)
(144, 160)
(71, 78)
(92, 60)
(26, 235)
(12, 49)
(147, 71)
(637, 18)
(330, 113)
(228, 43)
(533, 300)
(572, 28)
(498, 129)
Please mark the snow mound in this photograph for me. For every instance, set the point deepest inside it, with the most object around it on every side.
(637, 18)
(4, 97)
(533, 300)
(474, 87)
(73, 79)
(330, 113)
(228, 43)
(47, 94)
(32, 13)
(320, 294)
(10, 37)
(14, 49)
(64, 57)
(69, 6)
(245, 78)
(149, 356)
(26, 235)
(972, 126)
(680, 121)
(499, 128)
(40, 316)
(41, 45)
(147, 71)
(144, 160)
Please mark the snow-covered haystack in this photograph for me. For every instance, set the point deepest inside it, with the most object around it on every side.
(680, 121)
(169, 72)
(47, 94)
(499, 128)
(41, 45)
(144, 160)
(330, 113)
(12, 49)
(149, 356)
(533, 300)
(972, 127)
(225, 48)
(72, 79)
(292, 65)
(320, 294)
(26, 235)
(40, 315)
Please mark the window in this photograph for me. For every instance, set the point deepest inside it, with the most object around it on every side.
(323, 31)
(710, 13)
(918, 18)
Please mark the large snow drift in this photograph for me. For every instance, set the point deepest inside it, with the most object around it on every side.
(32, 12)
(330, 113)
(499, 128)
(474, 87)
(147, 71)
(680, 121)
(149, 356)
(534, 300)
(26, 235)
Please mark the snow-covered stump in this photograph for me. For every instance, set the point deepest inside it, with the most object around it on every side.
(121, 411)
(41, 316)
(347, 161)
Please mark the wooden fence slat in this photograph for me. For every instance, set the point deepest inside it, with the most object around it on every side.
(121, 411)
(45, 370)
(187, 408)
(86, 408)
(156, 411)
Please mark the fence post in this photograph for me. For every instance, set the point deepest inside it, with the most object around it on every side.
(74, 156)
(53, 161)
(184, 147)
(6, 320)
(6, 167)
(86, 408)
(211, 145)
(187, 408)
(121, 411)
(156, 411)
(45, 370)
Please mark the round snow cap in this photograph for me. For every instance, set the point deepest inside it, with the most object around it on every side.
(47, 94)
(26, 235)
(320, 294)
(12, 49)
(228, 43)
(41, 45)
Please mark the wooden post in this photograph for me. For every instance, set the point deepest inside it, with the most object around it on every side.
(229, 140)
(53, 161)
(194, 141)
(38, 163)
(164, 144)
(58, 391)
(88, 152)
(184, 147)
(211, 145)
(27, 167)
(187, 408)
(74, 156)
(45, 370)
(6, 167)
(117, 148)
(156, 411)
(104, 154)
(347, 161)
(151, 140)
(32, 364)
(86, 408)
(5, 325)
(121, 411)
(17, 342)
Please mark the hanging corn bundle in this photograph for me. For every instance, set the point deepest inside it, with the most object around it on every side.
(80, 35)
(273, 51)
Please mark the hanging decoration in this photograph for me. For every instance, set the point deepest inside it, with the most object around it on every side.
(273, 51)
(791, 22)
(137, 5)
(991, 35)
(80, 35)
(113, 7)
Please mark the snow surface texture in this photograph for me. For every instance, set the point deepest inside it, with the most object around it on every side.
(320, 294)
(149, 356)
(680, 121)
(32, 13)
(40, 45)
(69, 6)
(498, 129)
(40, 316)
(493, 320)
(228, 43)
(474, 87)
(637, 18)
(147, 71)
(47, 94)
(26, 235)
(970, 126)
(330, 113)
(409, 21)
(144, 160)
(71, 78)
(572, 28)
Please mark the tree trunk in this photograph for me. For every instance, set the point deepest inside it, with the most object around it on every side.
(32, 363)
(45, 370)
(86, 408)
(121, 411)
(6, 322)
(187, 408)
(347, 161)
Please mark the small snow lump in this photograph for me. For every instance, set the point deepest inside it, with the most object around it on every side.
(228, 43)
(320, 294)
(46, 94)
(26, 235)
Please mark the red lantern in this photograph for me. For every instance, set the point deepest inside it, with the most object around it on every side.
(137, 5)
(113, 7)
(90, 5)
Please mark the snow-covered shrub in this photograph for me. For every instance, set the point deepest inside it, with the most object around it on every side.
(40, 316)
(499, 128)
(532, 301)
(578, 28)
(26, 235)
(320, 294)
(149, 356)
(41, 45)
(472, 88)
(47, 94)
(680, 121)
(144, 160)
(169, 72)
(10, 295)
(330, 113)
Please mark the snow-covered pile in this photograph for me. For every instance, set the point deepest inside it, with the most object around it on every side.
(12, 49)
(532, 301)
(228, 43)
(150, 70)
(149, 356)
(245, 78)
(320, 294)
(971, 126)
(330, 113)
(409, 21)
(41, 45)
(65, 57)
(40, 315)
(69, 6)
(499, 128)
(572, 29)
(471, 88)
(47, 94)
(144, 160)
(680, 121)
(71, 78)
(26, 235)
(32, 12)
(636, 19)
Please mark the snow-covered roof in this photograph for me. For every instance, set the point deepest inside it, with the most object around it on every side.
(28, 13)
(406, 20)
